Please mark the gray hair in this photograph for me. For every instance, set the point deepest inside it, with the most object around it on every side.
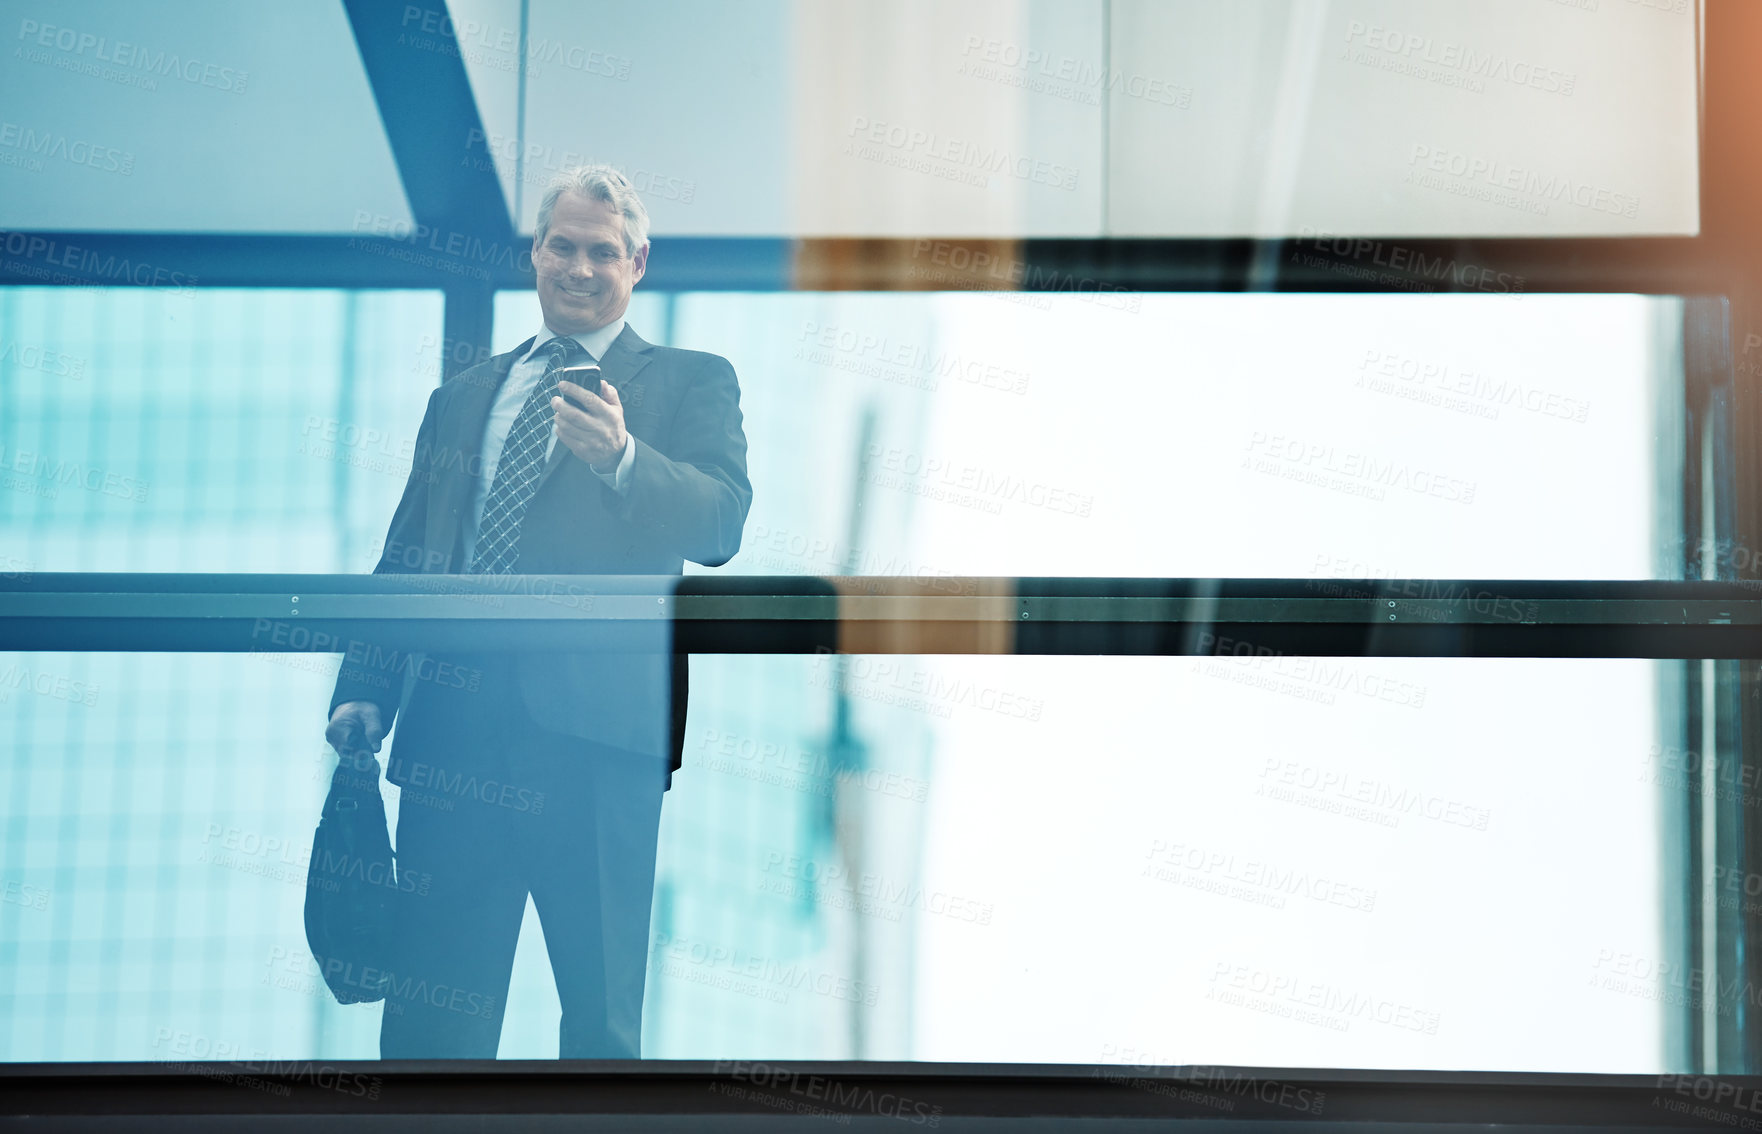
(600, 183)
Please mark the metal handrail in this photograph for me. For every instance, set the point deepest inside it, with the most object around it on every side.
(884, 614)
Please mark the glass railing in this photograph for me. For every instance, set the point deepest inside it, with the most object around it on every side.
(1278, 823)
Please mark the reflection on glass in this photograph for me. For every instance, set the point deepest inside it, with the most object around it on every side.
(1264, 861)
(1285, 862)
(1011, 434)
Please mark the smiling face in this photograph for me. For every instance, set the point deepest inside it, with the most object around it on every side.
(584, 276)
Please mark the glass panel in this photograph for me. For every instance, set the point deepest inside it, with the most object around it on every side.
(206, 116)
(1320, 864)
(1289, 862)
(1249, 857)
(212, 430)
(1383, 436)
(1386, 436)
(1139, 118)
(1286, 119)
(704, 165)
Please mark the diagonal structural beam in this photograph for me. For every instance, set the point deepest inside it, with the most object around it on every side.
(442, 152)
(430, 117)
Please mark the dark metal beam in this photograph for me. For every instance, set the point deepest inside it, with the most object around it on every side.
(1359, 262)
(448, 170)
(431, 255)
(753, 1095)
(431, 121)
(400, 258)
(803, 614)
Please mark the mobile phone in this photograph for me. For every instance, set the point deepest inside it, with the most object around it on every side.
(587, 377)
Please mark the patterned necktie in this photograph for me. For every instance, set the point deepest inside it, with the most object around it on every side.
(523, 460)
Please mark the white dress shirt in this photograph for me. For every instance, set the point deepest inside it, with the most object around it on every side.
(512, 395)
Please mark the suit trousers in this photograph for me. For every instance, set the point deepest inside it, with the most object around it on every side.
(494, 808)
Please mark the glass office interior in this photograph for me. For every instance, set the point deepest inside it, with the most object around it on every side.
(1260, 860)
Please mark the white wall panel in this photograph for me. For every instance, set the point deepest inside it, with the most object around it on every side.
(978, 117)
(690, 98)
(205, 116)
(1417, 117)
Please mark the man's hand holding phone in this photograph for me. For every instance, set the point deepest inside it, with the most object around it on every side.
(590, 418)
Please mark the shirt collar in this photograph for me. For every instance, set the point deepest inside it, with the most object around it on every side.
(595, 343)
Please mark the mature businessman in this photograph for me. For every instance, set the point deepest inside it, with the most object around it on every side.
(542, 773)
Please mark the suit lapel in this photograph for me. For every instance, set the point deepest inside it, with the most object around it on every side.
(624, 359)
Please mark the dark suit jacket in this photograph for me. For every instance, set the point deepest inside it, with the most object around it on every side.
(688, 499)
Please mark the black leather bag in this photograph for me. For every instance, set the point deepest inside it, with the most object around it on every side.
(351, 884)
